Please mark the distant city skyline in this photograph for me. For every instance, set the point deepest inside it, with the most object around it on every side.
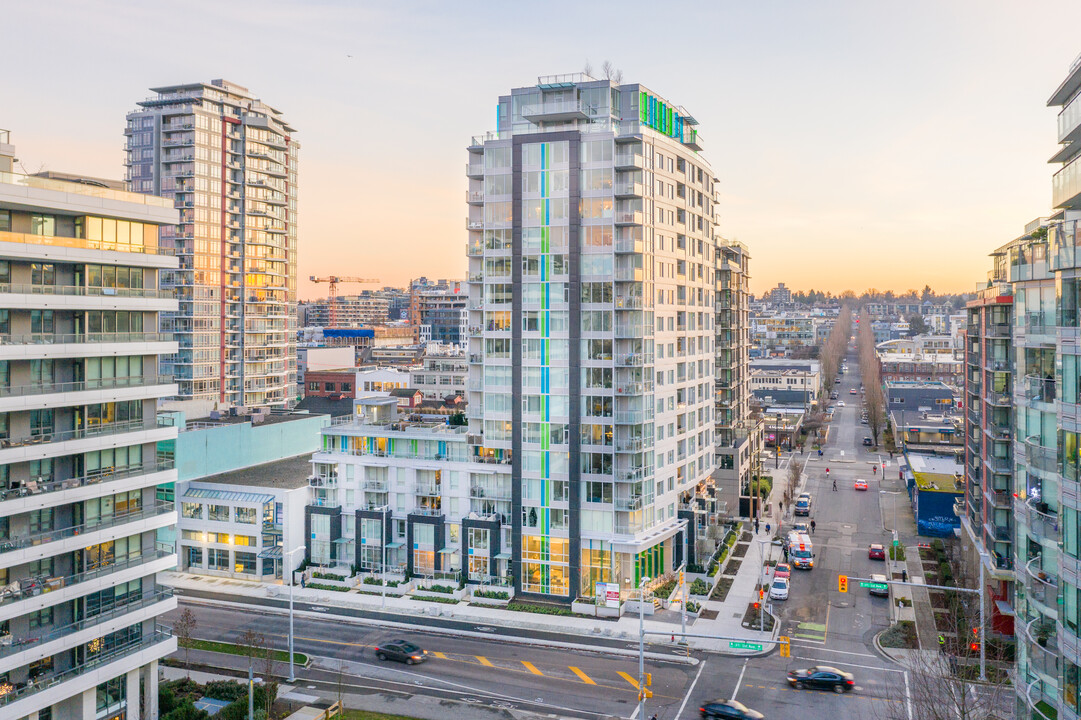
(891, 145)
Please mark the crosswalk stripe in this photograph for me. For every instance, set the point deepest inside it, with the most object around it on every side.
(629, 679)
(531, 668)
(585, 678)
(484, 661)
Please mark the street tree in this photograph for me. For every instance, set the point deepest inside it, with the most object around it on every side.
(184, 629)
(874, 400)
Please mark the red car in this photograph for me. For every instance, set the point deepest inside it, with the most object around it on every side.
(876, 552)
(782, 570)
(861, 485)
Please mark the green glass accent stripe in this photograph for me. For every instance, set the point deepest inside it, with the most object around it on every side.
(546, 240)
(643, 104)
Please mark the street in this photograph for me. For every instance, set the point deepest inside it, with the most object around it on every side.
(826, 627)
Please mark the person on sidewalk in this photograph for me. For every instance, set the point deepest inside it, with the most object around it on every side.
(904, 575)
(942, 643)
(767, 528)
(756, 526)
(834, 484)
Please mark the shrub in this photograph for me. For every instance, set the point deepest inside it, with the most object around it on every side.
(492, 594)
(539, 609)
(938, 546)
(445, 589)
(944, 573)
(897, 553)
(699, 587)
(370, 580)
(184, 711)
(693, 607)
(226, 690)
(665, 591)
(695, 569)
(328, 576)
(714, 569)
(321, 586)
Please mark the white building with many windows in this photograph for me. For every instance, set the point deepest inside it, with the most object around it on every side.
(79, 363)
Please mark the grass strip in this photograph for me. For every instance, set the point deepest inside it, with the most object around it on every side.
(234, 649)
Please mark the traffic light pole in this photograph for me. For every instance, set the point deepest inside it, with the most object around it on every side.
(842, 581)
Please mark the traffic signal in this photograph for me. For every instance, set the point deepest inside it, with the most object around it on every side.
(842, 583)
(681, 578)
(649, 679)
(786, 648)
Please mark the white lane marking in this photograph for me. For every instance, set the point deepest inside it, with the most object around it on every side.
(687, 697)
(739, 682)
(908, 696)
(848, 664)
(845, 652)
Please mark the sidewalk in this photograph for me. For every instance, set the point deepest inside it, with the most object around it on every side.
(583, 628)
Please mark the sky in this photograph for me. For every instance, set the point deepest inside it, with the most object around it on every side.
(858, 144)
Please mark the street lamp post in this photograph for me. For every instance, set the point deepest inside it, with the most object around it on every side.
(642, 648)
(761, 583)
(292, 672)
(383, 532)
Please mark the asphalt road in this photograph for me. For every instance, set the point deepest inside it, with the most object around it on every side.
(826, 627)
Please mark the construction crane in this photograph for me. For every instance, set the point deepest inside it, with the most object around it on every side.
(333, 280)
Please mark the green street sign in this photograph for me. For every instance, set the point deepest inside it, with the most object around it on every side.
(737, 645)
(874, 585)
(896, 543)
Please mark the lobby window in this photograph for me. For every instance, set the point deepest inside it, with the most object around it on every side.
(195, 557)
(218, 559)
(245, 563)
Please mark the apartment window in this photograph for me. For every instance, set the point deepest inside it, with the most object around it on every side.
(5, 322)
(218, 559)
(41, 470)
(246, 515)
(195, 557)
(328, 387)
(42, 274)
(5, 271)
(41, 520)
(193, 511)
(5, 221)
(41, 322)
(219, 513)
(112, 695)
(41, 618)
(313, 386)
(245, 563)
(42, 224)
(346, 387)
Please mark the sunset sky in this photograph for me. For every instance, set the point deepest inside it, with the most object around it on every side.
(858, 144)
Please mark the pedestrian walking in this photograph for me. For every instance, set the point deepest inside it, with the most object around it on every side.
(780, 508)
(834, 484)
(756, 526)
(767, 528)
(904, 575)
(812, 527)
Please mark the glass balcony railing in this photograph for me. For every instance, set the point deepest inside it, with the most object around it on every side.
(10, 694)
(38, 487)
(48, 388)
(100, 430)
(1040, 389)
(81, 291)
(24, 541)
(28, 587)
(1039, 456)
(1043, 522)
(24, 642)
(83, 338)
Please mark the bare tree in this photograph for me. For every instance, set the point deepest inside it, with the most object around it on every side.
(270, 673)
(795, 470)
(874, 399)
(588, 69)
(607, 68)
(184, 629)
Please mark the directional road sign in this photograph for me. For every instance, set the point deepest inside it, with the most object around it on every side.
(873, 585)
(737, 645)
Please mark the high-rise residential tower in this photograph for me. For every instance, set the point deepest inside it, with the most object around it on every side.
(592, 282)
(229, 162)
(79, 379)
(739, 436)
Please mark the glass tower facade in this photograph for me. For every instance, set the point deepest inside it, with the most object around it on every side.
(229, 162)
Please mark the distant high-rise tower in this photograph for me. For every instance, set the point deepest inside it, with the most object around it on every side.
(229, 162)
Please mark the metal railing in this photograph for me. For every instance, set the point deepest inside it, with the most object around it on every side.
(31, 587)
(1039, 456)
(18, 644)
(39, 487)
(103, 429)
(1040, 389)
(83, 291)
(82, 338)
(159, 635)
(34, 539)
(47, 388)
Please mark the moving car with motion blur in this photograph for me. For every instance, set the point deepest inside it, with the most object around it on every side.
(879, 591)
(822, 677)
(729, 709)
(402, 651)
(860, 485)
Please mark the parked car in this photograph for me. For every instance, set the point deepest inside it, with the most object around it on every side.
(782, 570)
(860, 485)
(822, 677)
(876, 552)
(778, 589)
(868, 442)
(879, 578)
(402, 651)
(729, 709)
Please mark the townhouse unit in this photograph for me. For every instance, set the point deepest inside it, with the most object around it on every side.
(80, 296)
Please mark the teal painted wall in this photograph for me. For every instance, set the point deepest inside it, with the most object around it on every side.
(201, 453)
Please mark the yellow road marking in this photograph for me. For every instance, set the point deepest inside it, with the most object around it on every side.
(484, 661)
(629, 679)
(441, 656)
(585, 678)
(532, 668)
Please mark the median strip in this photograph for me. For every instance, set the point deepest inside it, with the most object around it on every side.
(234, 649)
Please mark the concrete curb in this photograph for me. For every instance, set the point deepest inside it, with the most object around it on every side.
(883, 652)
(261, 609)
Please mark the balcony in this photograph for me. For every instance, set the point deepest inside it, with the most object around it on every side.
(58, 436)
(377, 486)
(998, 330)
(629, 504)
(628, 189)
(1039, 324)
(630, 445)
(1042, 637)
(634, 359)
(628, 217)
(555, 111)
(160, 637)
(1042, 521)
(1000, 399)
(474, 170)
(633, 474)
(1040, 390)
(999, 498)
(64, 297)
(1040, 457)
(323, 481)
(426, 511)
(46, 395)
(474, 197)
(1042, 586)
(490, 492)
(54, 590)
(45, 644)
(634, 388)
(33, 488)
(629, 161)
(87, 533)
(428, 489)
(57, 345)
(628, 302)
(692, 139)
